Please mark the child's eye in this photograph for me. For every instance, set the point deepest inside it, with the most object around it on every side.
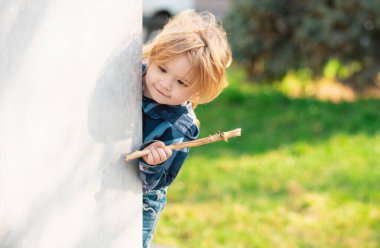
(162, 69)
(182, 83)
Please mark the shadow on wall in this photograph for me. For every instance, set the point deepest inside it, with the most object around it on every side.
(109, 114)
(111, 117)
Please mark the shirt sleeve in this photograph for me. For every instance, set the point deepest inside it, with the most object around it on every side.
(162, 175)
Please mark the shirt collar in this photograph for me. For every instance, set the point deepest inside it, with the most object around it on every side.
(181, 117)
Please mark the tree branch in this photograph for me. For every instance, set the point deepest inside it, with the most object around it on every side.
(199, 142)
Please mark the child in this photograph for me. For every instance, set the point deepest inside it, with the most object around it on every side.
(186, 66)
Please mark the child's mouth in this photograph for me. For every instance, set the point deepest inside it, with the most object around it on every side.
(161, 93)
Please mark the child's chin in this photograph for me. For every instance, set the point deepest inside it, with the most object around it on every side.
(166, 102)
(159, 100)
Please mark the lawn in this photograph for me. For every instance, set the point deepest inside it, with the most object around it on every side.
(305, 173)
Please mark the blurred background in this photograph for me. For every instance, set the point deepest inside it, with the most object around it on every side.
(156, 13)
(305, 89)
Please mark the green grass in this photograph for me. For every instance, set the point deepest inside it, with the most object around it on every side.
(304, 173)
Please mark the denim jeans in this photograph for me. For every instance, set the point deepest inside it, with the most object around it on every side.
(153, 203)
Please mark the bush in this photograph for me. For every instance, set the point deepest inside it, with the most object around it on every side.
(270, 37)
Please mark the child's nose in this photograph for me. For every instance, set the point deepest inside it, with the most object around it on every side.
(166, 83)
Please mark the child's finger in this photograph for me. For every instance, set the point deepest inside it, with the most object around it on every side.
(168, 151)
(155, 155)
(161, 152)
(149, 158)
(159, 144)
(164, 147)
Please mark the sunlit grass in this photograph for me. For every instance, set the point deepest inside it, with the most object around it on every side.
(305, 173)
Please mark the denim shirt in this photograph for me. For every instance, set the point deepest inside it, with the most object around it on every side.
(169, 124)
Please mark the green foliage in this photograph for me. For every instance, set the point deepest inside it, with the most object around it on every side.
(270, 37)
(335, 69)
(304, 173)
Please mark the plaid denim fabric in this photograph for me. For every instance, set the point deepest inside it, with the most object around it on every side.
(169, 124)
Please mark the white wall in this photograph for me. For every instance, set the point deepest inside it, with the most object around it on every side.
(70, 106)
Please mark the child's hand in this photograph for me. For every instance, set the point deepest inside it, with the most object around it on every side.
(159, 153)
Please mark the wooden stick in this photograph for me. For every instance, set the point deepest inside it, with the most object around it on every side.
(199, 142)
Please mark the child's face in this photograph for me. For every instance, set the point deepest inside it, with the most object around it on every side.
(169, 83)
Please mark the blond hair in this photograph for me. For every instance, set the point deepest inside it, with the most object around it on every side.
(204, 42)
